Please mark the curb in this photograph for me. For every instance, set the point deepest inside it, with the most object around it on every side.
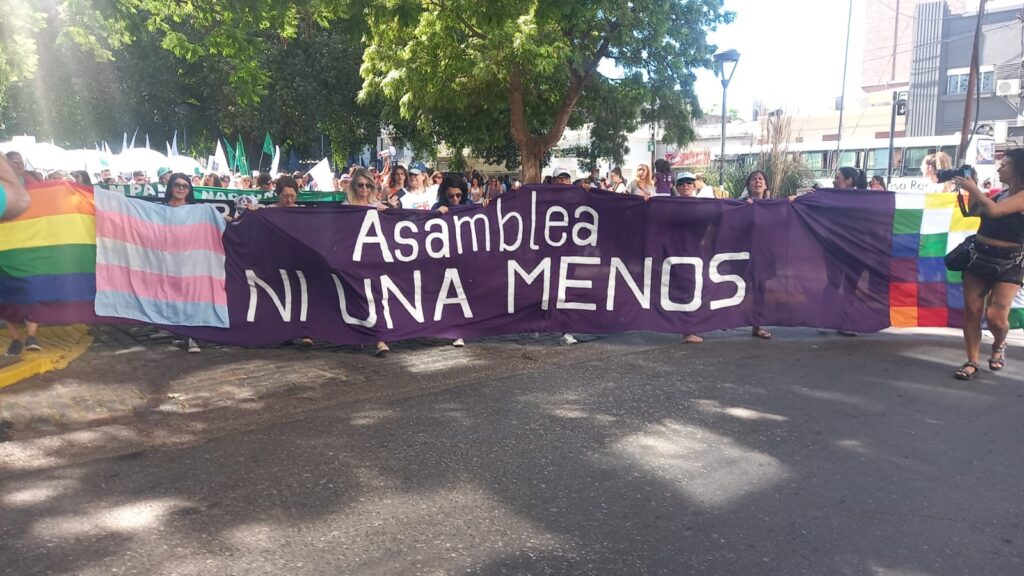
(61, 345)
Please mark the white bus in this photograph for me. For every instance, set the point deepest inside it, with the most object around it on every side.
(872, 156)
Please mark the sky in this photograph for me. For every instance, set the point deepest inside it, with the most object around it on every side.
(791, 55)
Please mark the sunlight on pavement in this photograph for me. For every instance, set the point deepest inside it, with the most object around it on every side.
(708, 468)
(437, 359)
(890, 571)
(53, 451)
(38, 493)
(434, 523)
(714, 407)
(368, 417)
(853, 446)
(125, 518)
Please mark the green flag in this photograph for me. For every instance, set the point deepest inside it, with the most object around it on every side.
(268, 145)
(231, 155)
(240, 159)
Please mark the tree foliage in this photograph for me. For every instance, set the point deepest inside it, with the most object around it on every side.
(483, 74)
(213, 67)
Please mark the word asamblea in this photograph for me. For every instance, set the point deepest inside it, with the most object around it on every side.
(437, 235)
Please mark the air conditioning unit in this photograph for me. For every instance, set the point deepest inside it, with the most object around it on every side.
(1010, 87)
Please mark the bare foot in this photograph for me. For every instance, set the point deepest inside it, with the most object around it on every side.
(692, 339)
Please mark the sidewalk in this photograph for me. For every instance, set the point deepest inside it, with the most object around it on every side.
(61, 345)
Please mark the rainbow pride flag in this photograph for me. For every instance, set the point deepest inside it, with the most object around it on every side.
(158, 264)
(48, 257)
(922, 293)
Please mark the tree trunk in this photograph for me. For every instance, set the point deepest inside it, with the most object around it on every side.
(532, 154)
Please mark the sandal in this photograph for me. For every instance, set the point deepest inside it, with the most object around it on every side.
(692, 339)
(996, 364)
(963, 374)
(382, 349)
(761, 333)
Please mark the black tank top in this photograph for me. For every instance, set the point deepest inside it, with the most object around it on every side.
(1009, 228)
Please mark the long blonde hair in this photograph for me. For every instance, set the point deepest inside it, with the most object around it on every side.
(647, 182)
(353, 193)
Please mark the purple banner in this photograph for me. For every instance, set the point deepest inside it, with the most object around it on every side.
(557, 258)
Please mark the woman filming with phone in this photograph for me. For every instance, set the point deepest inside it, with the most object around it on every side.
(995, 266)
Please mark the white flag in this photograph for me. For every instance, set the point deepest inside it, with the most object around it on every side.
(276, 162)
(323, 176)
(174, 145)
(134, 134)
(124, 142)
(147, 140)
(220, 162)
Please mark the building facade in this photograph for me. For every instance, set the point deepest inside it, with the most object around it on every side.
(940, 64)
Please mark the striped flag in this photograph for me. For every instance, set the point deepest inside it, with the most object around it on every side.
(158, 264)
(48, 257)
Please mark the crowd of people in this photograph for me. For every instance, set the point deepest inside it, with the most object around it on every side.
(992, 278)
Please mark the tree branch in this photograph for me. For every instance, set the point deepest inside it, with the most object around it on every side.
(472, 30)
(577, 80)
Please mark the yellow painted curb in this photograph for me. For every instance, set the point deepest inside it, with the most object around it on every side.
(61, 345)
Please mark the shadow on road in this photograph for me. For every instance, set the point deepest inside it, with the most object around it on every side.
(798, 456)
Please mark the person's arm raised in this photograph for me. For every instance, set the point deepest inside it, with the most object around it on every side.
(988, 206)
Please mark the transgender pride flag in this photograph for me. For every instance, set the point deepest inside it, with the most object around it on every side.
(158, 264)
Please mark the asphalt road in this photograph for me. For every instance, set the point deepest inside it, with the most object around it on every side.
(808, 454)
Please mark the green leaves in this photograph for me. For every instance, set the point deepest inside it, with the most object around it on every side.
(447, 66)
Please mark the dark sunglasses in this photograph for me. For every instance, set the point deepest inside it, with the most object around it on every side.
(364, 186)
(456, 195)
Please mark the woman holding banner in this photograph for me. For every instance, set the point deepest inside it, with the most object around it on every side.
(361, 192)
(179, 193)
(757, 189)
(996, 267)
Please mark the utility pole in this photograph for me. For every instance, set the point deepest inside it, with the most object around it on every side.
(842, 97)
(972, 83)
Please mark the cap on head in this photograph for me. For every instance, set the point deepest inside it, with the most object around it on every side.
(162, 170)
(561, 172)
(685, 177)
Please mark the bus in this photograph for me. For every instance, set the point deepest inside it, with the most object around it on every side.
(872, 155)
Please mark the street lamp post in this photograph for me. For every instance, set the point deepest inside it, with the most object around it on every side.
(725, 58)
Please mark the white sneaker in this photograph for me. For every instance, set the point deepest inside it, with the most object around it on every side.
(192, 346)
(568, 339)
(458, 343)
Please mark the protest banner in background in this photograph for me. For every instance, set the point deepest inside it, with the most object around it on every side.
(546, 258)
(222, 198)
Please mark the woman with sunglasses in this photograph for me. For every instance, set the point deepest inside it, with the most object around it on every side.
(179, 193)
(362, 191)
(453, 191)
